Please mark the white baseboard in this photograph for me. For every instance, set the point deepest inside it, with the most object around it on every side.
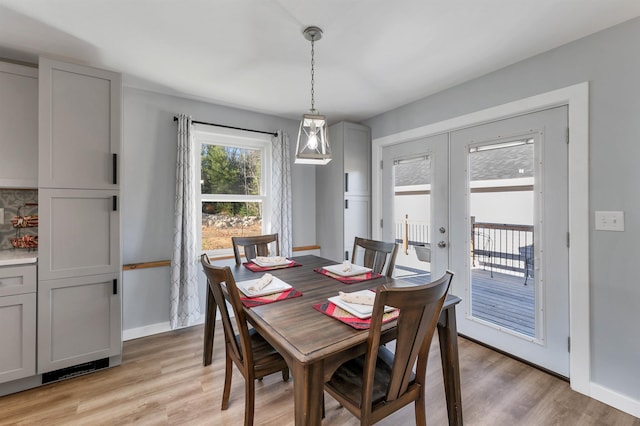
(616, 400)
(151, 329)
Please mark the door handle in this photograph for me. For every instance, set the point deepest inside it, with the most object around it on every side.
(442, 244)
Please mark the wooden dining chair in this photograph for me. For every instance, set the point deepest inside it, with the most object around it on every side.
(376, 255)
(380, 382)
(248, 350)
(254, 246)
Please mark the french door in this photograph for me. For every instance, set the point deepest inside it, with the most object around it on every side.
(415, 211)
(490, 202)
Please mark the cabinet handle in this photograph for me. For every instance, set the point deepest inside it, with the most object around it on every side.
(346, 255)
(115, 169)
(115, 286)
(346, 204)
(115, 203)
(346, 182)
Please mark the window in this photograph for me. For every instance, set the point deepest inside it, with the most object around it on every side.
(234, 186)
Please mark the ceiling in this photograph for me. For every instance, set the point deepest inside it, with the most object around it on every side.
(375, 55)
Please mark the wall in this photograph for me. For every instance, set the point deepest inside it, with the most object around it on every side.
(609, 61)
(148, 191)
(12, 200)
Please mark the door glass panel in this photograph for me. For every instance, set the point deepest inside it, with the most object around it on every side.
(412, 179)
(501, 188)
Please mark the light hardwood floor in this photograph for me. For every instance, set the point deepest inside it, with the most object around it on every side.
(162, 381)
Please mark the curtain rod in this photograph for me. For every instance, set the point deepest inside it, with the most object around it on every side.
(230, 127)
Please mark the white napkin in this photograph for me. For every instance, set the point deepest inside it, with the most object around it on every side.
(261, 283)
(271, 259)
(364, 298)
(346, 266)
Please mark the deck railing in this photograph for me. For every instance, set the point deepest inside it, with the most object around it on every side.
(411, 234)
(502, 247)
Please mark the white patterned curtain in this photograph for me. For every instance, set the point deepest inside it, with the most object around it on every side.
(281, 191)
(185, 305)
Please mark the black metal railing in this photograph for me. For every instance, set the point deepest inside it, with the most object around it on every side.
(503, 247)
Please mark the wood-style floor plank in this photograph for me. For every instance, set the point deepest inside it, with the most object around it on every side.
(162, 382)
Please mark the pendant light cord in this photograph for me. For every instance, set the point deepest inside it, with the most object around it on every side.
(313, 108)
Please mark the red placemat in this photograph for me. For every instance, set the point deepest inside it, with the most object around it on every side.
(257, 268)
(250, 302)
(341, 315)
(348, 280)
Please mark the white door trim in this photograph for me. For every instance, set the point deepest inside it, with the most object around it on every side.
(577, 97)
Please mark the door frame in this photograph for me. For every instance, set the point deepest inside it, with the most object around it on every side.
(577, 99)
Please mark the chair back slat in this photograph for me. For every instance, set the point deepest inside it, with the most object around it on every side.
(241, 348)
(420, 308)
(253, 246)
(376, 255)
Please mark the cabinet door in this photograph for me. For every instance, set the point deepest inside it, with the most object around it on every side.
(80, 126)
(357, 159)
(78, 321)
(17, 280)
(18, 126)
(18, 336)
(79, 233)
(356, 221)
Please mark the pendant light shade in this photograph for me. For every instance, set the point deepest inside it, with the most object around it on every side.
(313, 141)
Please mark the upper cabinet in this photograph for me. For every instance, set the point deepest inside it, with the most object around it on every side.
(79, 143)
(18, 126)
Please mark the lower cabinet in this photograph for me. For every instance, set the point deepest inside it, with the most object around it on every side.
(79, 320)
(18, 336)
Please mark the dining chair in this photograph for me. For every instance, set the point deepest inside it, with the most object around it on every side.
(254, 246)
(376, 255)
(248, 350)
(381, 382)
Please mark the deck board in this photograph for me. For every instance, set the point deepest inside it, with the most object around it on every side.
(503, 299)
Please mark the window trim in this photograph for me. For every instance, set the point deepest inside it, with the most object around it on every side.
(212, 135)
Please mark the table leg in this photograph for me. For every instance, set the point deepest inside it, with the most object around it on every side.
(308, 387)
(448, 336)
(209, 328)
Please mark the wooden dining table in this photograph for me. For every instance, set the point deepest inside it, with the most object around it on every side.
(314, 345)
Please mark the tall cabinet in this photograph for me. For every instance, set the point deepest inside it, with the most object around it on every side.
(79, 259)
(343, 191)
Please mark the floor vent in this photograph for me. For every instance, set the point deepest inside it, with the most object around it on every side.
(76, 370)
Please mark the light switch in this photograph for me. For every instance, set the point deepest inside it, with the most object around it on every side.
(609, 221)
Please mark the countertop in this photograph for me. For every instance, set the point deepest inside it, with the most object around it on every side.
(17, 257)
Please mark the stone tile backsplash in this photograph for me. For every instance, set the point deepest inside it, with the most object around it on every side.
(11, 200)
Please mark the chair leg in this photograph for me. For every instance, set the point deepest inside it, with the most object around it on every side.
(249, 400)
(228, 373)
(323, 412)
(421, 410)
(285, 374)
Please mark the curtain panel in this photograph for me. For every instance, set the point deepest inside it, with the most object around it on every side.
(185, 304)
(281, 192)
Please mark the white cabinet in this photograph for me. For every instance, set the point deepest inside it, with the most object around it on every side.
(80, 126)
(343, 191)
(81, 235)
(18, 126)
(78, 320)
(17, 322)
(79, 297)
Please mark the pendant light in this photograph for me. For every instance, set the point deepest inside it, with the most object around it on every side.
(313, 141)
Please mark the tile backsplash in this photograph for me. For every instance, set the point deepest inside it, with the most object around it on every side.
(11, 200)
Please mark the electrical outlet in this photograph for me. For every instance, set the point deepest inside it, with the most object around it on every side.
(1, 216)
(609, 221)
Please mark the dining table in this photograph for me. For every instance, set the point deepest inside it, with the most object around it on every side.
(314, 345)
